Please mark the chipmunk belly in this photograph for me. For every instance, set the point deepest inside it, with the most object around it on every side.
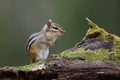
(43, 53)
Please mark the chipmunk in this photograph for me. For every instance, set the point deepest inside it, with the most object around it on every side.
(39, 43)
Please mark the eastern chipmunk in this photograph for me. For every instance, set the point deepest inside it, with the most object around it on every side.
(39, 43)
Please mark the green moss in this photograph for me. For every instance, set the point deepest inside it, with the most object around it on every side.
(14, 69)
(53, 57)
(97, 32)
(89, 55)
(30, 66)
(115, 54)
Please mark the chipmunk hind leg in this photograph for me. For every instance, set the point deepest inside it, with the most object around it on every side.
(33, 56)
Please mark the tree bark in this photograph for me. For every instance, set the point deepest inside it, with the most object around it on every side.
(64, 69)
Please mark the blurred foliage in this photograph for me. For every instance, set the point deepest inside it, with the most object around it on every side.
(20, 18)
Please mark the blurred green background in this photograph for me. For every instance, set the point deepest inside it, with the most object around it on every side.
(20, 18)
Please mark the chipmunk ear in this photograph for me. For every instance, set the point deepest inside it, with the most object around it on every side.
(49, 22)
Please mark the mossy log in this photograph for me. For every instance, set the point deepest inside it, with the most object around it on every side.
(96, 57)
(64, 69)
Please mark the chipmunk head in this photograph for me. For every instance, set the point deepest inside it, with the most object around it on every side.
(53, 30)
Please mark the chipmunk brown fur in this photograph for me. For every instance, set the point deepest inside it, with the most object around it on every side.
(39, 43)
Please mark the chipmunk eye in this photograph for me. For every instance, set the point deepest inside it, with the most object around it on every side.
(55, 28)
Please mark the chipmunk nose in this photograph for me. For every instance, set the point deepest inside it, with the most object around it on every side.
(62, 31)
